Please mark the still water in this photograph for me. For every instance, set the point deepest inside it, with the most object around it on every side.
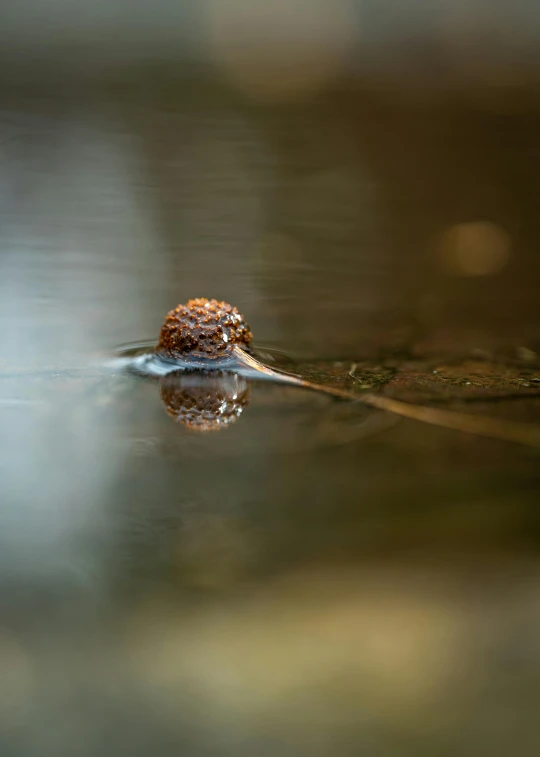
(318, 578)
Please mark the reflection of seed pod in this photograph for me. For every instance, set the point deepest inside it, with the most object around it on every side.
(203, 328)
(204, 401)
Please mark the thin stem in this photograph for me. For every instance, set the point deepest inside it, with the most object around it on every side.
(481, 425)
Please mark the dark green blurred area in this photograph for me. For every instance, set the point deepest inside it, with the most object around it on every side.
(320, 578)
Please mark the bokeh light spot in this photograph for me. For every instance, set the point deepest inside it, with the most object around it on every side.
(477, 248)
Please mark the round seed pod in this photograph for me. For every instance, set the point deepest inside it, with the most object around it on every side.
(203, 328)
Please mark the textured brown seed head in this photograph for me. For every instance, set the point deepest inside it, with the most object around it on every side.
(204, 402)
(203, 328)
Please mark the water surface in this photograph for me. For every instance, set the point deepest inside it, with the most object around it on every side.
(319, 577)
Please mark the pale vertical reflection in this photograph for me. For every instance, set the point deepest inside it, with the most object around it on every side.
(283, 49)
(71, 230)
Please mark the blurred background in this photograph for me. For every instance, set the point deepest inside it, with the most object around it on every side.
(361, 180)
